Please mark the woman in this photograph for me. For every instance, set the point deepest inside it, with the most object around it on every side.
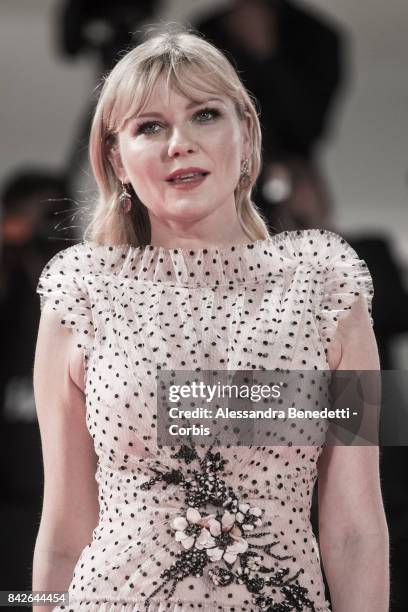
(179, 273)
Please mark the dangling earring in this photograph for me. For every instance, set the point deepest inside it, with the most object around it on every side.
(125, 199)
(245, 177)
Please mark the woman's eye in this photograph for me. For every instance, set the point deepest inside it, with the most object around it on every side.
(208, 114)
(147, 127)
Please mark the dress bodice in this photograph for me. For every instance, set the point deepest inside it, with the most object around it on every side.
(184, 528)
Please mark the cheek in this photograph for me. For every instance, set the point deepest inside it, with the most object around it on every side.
(141, 162)
(227, 149)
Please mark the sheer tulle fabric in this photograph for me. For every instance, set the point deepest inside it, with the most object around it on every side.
(273, 304)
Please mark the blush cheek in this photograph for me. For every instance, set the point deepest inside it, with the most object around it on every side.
(145, 174)
(229, 157)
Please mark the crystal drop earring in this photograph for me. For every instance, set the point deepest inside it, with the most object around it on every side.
(245, 177)
(125, 199)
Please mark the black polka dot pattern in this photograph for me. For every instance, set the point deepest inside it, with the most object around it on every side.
(271, 304)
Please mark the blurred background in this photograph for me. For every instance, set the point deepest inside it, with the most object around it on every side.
(331, 82)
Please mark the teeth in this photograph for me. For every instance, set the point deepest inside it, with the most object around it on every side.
(182, 177)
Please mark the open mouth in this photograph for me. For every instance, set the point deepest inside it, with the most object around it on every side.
(187, 178)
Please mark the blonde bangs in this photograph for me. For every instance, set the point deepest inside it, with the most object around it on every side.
(188, 77)
(132, 93)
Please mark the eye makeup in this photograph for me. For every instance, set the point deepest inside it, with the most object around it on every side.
(147, 127)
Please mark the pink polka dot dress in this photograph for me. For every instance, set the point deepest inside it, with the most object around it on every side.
(191, 528)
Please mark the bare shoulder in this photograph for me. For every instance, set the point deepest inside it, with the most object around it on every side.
(58, 360)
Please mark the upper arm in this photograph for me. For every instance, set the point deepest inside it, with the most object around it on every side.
(349, 492)
(70, 504)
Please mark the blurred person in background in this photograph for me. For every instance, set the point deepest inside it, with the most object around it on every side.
(101, 28)
(36, 210)
(291, 58)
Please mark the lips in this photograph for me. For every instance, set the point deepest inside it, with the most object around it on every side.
(184, 173)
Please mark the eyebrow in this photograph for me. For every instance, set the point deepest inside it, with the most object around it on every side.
(192, 104)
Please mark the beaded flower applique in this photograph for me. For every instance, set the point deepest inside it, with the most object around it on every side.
(223, 539)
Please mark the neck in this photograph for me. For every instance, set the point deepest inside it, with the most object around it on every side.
(196, 235)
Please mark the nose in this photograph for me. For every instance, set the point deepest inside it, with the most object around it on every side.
(180, 144)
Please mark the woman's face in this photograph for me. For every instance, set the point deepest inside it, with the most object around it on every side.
(203, 137)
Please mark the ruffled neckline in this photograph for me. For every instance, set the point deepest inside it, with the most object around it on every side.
(243, 263)
(187, 251)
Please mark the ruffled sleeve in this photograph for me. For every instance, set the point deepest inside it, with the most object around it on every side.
(62, 285)
(345, 277)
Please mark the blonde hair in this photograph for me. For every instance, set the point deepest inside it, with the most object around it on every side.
(190, 64)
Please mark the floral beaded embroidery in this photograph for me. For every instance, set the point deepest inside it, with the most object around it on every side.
(223, 539)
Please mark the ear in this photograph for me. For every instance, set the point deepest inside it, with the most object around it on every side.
(246, 135)
(116, 162)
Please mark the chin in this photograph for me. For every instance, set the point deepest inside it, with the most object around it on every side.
(193, 206)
